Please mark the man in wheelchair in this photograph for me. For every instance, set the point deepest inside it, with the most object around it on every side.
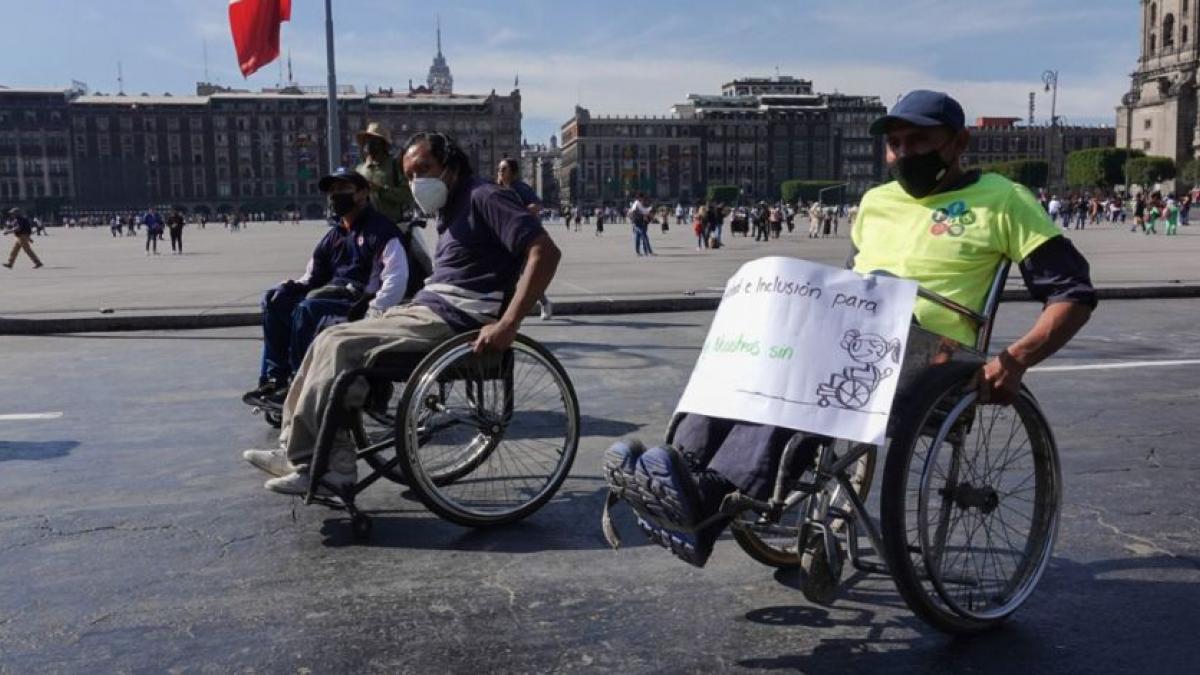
(488, 245)
(358, 268)
(945, 228)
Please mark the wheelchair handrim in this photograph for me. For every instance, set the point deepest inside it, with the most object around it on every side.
(431, 371)
(1043, 524)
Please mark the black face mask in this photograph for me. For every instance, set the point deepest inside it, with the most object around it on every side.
(341, 203)
(920, 175)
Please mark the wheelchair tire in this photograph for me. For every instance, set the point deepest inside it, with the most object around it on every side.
(472, 431)
(778, 544)
(940, 475)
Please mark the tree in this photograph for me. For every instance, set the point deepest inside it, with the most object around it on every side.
(1189, 173)
(1032, 173)
(1146, 171)
(726, 194)
(808, 190)
(1099, 167)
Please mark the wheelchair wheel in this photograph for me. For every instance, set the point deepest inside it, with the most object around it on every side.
(970, 502)
(778, 544)
(487, 439)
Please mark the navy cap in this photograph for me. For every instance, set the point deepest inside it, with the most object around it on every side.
(923, 108)
(343, 174)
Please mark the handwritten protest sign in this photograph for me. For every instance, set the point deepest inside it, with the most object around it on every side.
(805, 346)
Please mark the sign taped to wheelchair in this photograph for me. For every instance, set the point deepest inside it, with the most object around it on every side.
(805, 346)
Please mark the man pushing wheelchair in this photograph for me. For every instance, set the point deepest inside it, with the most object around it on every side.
(947, 229)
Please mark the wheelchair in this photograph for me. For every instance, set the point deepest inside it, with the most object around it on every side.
(480, 439)
(970, 493)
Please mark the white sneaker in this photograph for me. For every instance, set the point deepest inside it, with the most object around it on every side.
(547, 310)
(296, 483)
(274, 462)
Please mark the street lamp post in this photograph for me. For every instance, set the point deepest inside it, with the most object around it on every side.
(1050, 79)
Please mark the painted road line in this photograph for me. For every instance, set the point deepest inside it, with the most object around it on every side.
(13, 417)
(1116, 366)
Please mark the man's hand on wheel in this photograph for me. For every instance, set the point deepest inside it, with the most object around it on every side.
(1000, 380)
(495, 337)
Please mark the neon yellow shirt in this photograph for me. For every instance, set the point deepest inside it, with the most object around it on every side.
(950, 243)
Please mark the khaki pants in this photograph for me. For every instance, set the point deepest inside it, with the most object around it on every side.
(407, 328)
(22, 244)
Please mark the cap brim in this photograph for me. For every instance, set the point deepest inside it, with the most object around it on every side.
(364, 135)
(354, 179)
(880, 126)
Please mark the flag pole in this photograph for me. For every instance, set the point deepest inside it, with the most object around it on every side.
(334, 130)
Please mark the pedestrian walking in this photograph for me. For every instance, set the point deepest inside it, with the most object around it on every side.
(1152, 220)
(175, 229)
(154, 228)
(21, 228)
(1172, 218)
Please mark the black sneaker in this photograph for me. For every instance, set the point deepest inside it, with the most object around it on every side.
(266, 394)
(670, 506)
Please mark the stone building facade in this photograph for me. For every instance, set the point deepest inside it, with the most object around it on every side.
(1002, 139)
(755, 134)
(1159, 115)
(220, 150)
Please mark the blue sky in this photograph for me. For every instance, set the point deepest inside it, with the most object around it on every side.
(612, 57)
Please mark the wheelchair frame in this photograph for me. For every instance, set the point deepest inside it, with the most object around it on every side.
(821, 559)
(410, 368)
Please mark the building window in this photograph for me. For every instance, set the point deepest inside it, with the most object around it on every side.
(1147, 124)
(1168, 31)
(1183, 35)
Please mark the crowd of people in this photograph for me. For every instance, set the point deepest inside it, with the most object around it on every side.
(1148, 210)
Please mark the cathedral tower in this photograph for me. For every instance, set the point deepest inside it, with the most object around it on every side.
(1159, 113)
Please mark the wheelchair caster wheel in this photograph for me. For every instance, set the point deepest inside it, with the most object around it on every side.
(273, 417)
(361, 527)
(820, 577)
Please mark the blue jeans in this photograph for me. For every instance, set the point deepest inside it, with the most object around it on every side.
(641, 240)
(290, 323)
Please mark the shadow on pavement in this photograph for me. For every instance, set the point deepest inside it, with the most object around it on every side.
(35, 450)
(1091, 617)
(569, 522)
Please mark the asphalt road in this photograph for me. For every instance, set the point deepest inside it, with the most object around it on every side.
(133, 538)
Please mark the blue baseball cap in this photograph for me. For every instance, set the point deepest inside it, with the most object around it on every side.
(343, 174)
(923, 108)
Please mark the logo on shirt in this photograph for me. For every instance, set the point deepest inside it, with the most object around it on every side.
(361, 240)
(952, 220)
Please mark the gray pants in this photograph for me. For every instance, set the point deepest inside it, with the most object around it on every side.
(406, 328)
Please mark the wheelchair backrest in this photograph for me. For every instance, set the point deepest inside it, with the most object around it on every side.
(984, 319)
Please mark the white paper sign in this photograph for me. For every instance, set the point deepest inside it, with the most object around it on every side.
(805, 346)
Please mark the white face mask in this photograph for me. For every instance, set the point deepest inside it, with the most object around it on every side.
(429, 193)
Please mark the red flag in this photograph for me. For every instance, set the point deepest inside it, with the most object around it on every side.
(255, 27)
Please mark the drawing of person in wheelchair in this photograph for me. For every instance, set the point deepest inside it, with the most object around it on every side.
(852, 388)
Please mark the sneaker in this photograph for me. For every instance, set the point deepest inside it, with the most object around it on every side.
(37, 266)
(620, 462)
(267, 394)
(296, 483)
(667, 493)
(274, 462)
(8, 265)
(547, 310)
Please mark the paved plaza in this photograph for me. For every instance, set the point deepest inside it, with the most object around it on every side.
(89, 270)
(134, 538)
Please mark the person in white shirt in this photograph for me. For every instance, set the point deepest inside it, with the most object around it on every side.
(639, 215)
